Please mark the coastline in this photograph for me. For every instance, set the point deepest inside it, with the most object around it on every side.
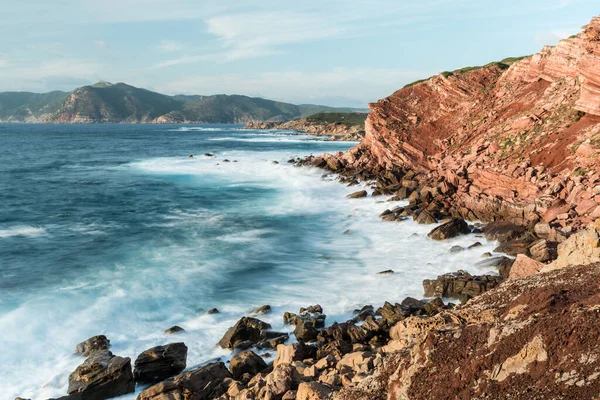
(368, 356)
(336, 131)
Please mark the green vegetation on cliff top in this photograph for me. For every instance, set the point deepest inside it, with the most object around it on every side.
(503, 64)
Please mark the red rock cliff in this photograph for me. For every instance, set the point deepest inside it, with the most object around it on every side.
(512, 140)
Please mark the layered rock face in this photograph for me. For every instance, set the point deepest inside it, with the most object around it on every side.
(509, 139)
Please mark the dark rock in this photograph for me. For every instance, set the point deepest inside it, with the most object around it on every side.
(266, 309)
(160, 362)
(412, 305)
(434, 306)
(305, 331)
(92, 345)
(357, 195)
(208, 154)
(392, 313)
(503, 231)
(449, 230)
(460, 285)
(474, 245)
(513, 247)
(425, 217)
(246, 329)
(246, 362)
(202, 383)
(456, 249)
(386, 272)
(102, 376)
(174, 329)
(337, 348)
(213, 311)
(543, 250)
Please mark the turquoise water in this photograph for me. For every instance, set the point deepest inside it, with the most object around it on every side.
(113, 229)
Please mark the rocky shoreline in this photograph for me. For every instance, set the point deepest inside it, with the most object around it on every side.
(512, 146)
(335, 131)
(389, 352)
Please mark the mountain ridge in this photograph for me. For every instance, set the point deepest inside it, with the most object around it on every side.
(105, 102)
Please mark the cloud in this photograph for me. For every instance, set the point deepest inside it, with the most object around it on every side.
(100, 43)
(48, 75)
(170, 46)
(343, 86)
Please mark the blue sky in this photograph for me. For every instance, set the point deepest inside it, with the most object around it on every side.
(331, 52)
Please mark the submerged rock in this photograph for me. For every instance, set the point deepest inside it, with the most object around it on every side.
(174, 329)
(160, 362)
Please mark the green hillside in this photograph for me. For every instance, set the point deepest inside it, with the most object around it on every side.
(105, 102)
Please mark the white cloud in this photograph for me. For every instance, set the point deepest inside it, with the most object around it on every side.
(170, 46)
(353, 87)
(100, 43)
(48, 75)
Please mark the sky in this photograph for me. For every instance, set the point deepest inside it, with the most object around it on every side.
(333, 52)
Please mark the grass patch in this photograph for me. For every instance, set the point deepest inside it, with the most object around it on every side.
(348, 119)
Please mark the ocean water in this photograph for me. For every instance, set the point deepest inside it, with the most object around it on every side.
(113, 229)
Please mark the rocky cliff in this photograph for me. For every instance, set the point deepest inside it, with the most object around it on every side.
(518, 142)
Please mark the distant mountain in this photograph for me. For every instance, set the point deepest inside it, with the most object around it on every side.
(105, 102)
(29, 107)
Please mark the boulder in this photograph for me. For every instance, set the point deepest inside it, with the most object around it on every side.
(524, 266)
(357, 195)
(174, 329)
(246, 362)
(286, 354)
(283, 379)
(266, 309)
(246, 330)
(305, 331)
(425, 217)
(460, 285)
(313, 391)
(203, 383)
(450, 229)
(503, 231)
(160, 362)
(101, 376)
(513, 247)
(93, 344)
(392, 313)
(543, 251)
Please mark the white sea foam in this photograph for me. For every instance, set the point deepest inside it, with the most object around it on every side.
(135, 300)
(22, 230)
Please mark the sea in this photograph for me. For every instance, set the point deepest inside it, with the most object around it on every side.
(117, 230)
